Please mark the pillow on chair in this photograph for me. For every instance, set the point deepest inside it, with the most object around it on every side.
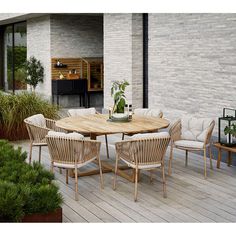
(195, 129)
(38, 120)
(64, 135)
(147, 112)
(82, 112)
(151, 135)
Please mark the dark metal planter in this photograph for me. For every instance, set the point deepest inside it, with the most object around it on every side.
(50, 217)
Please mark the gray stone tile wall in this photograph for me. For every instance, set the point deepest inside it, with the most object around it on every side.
(123, 55)
(74, 36)
(192, 63)
(38, 45)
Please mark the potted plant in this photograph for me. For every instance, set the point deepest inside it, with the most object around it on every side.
(27, 193)
(230, 131)
(34, 72)
(15, 108)
(118, 94)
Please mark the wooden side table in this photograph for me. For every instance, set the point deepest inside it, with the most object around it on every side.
(230, 150)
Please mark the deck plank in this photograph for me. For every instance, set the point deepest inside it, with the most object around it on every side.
(190, 198)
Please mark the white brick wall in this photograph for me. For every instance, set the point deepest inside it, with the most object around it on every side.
(192, 63)
(76, 36)
(123, 55)
(38, 45)
(64, 36)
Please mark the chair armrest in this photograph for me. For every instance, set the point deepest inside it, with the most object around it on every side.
(209, 133)
(123, 148)
(36, 133)
(91, 148)
(51, 124)
(175, 131)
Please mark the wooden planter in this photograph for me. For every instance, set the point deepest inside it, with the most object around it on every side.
(55, 216)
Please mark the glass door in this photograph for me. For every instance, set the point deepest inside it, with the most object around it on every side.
(15, 55)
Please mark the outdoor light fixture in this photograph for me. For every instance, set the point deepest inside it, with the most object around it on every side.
(227, 127)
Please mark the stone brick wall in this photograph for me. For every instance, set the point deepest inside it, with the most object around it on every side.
(123, 55)
(38, 45)
(192, 63)
(77, 35)
(74, 36)
(65, 36)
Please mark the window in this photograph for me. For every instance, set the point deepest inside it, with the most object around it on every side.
(15, 54)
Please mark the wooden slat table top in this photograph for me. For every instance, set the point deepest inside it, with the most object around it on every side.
(98, 124)
(226, 148)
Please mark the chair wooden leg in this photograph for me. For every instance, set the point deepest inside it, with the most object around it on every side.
(100, 170)
(52, 167)
(115, 174)
(76, 185)
(164, 181)
(205, 163)
(107, 146)
(40, 154)
(210, 153)
(30, 155)
(67, 175)
(186, 157)
(123, 136)
(151, 176)
(170, 159)
(136, 185)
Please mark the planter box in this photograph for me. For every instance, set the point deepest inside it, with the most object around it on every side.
(55, 216)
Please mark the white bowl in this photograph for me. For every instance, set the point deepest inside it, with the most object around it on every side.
(119, 115)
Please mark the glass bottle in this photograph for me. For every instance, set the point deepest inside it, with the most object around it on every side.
(110, 113)
(126, 110)
(130, 112)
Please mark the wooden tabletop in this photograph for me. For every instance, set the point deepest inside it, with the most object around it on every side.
(98, 124)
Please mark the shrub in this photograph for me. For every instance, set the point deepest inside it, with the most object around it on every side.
(34, 71)
(15, 108)
(24, 189)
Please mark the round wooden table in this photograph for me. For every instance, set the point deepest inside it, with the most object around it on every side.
(98, 124)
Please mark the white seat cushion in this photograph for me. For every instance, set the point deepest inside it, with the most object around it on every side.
(72, 166)
(140, 166)
(82, 112)
(151, 135)
(189, 144)
(38, 120)
(64, 135)
(195, 129)
(147, 112)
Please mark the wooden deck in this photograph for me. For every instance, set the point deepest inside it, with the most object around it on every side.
(190, 198)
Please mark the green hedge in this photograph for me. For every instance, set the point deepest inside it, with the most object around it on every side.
(24, 189)
(15, 108)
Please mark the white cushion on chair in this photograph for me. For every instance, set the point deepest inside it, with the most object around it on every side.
(151, 135)
(38, 120)
(147, 112)
(64, 135)
(189, 144)
(195, 129)
(82, 112)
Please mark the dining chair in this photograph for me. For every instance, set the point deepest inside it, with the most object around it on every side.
(143, 152)
(145, 112)
(71, 152)
(86, 112)
(192, 134)
(38, 127)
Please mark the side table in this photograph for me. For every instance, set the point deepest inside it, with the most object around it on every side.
(221, 147)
